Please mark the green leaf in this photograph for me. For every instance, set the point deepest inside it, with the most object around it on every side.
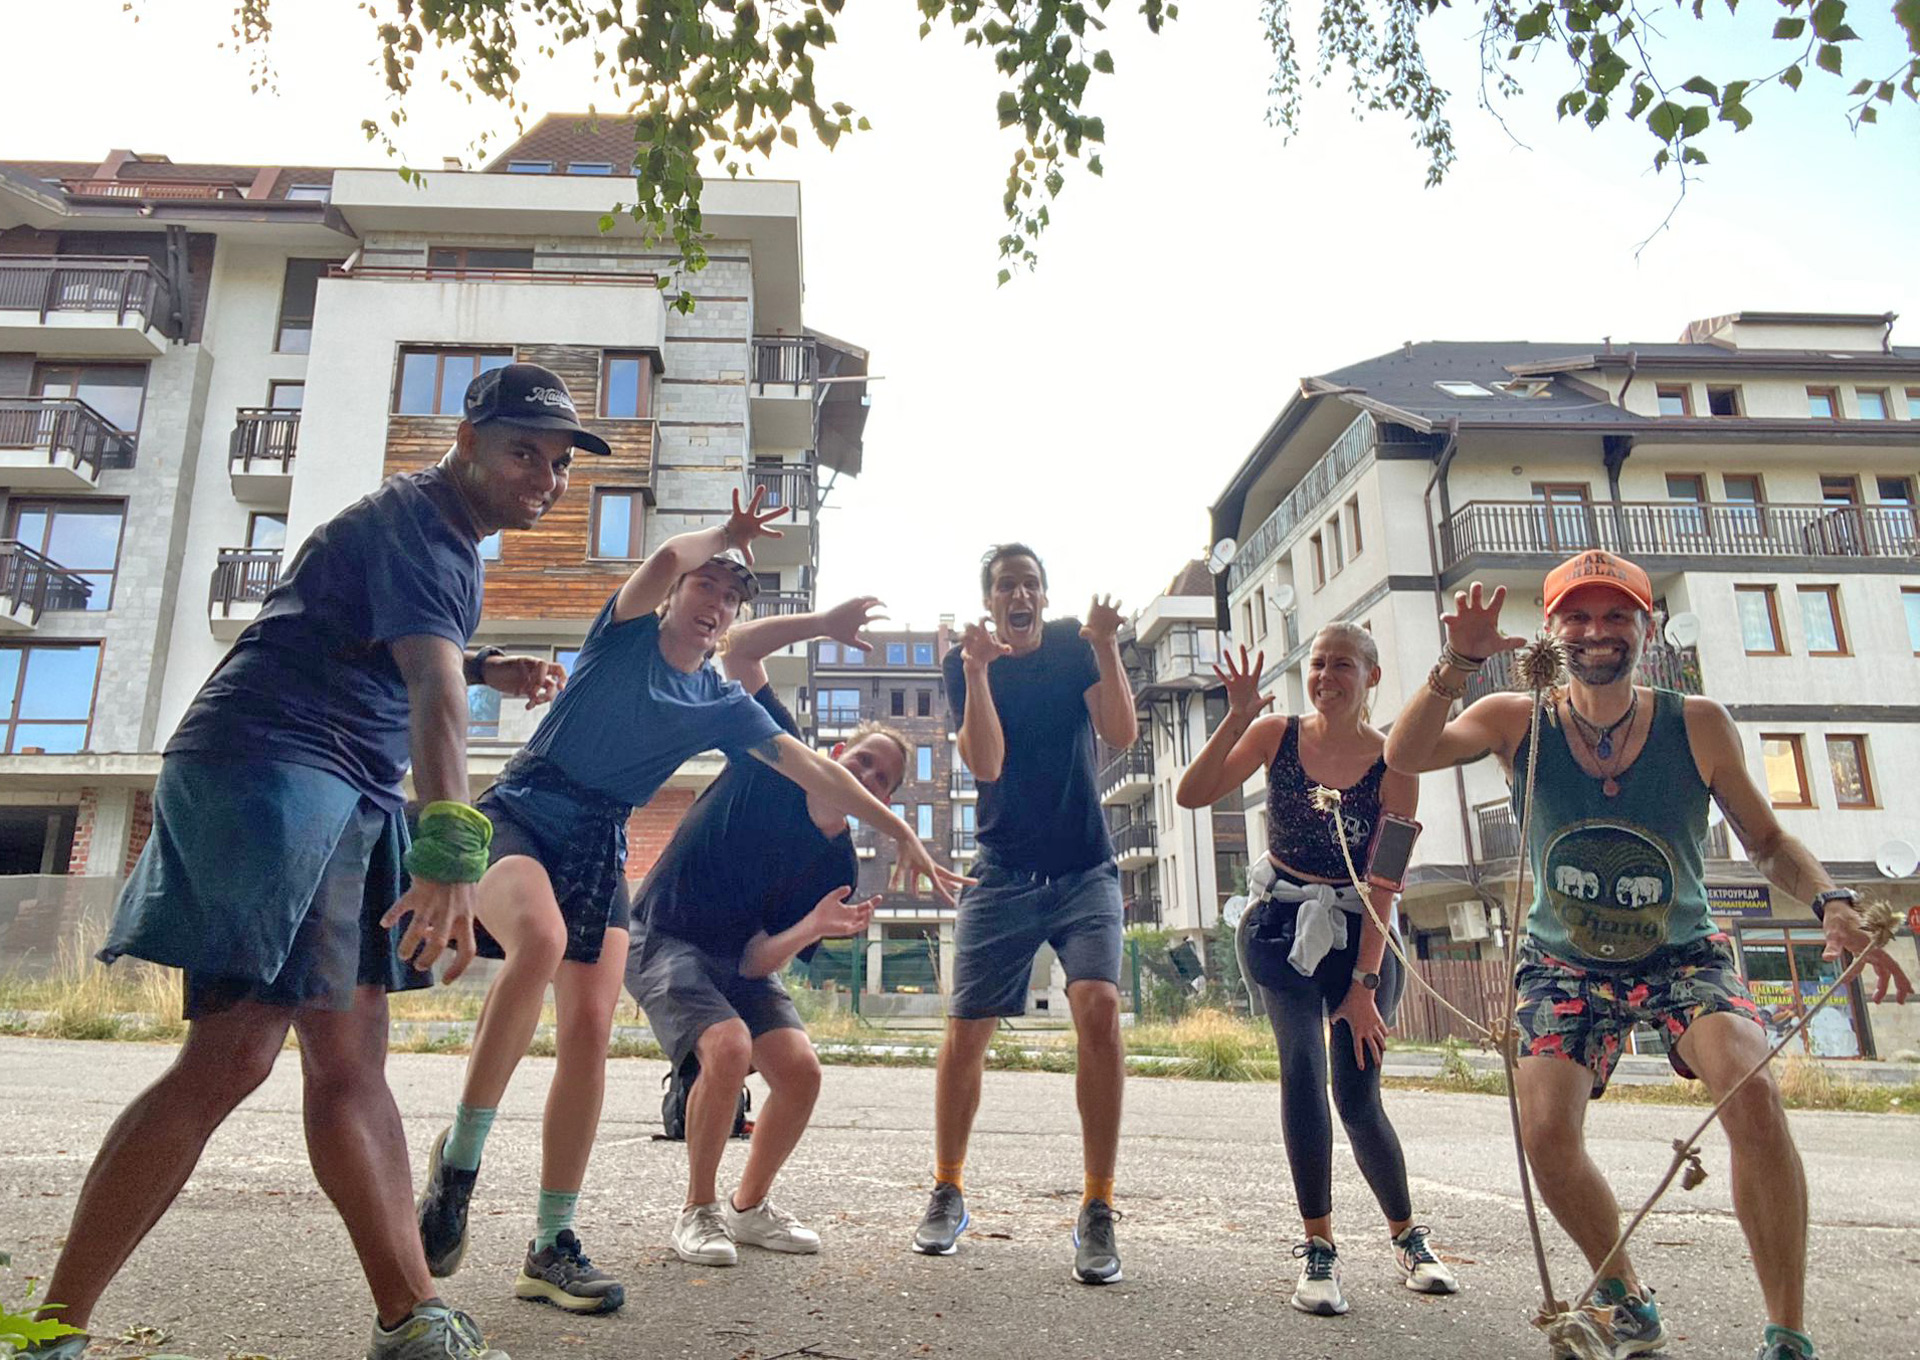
(1791, 77)
(1103, 63)
(1828, 58)
(1827, 16)
(1702, 86)
(1094, 167)
(1860, 89)
(1789, 28)
(1692, 155)
(1005, 278)
(1571, 102)
(1736, 114)
(1695, 121)
(1008, 108)
(1533, 23)
(1869, 114)
(1665, 120)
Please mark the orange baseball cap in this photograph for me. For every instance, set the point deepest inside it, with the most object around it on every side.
(1597, 568)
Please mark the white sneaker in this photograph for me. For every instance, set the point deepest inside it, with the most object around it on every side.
(1426, 1273)
(768, 1225)
(1318, 1289)
(701, 1237)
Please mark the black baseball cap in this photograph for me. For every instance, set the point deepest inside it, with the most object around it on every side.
(529, 395)
(736, 565)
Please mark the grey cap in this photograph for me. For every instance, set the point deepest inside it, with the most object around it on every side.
(733, 560)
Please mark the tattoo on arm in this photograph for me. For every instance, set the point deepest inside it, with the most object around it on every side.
(767, 750)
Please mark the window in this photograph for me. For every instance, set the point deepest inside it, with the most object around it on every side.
(309, 193)
(1823, 403)
(840, 707)
(626, 386)
(1872, 403)
(1839, 491)
(828, 652)
(896, 653)
(1913, 403)
(1690, 489)
(1786, 767)
(1723, 401)
(923, 764)
(899, 810)
(1676, 400)
(589, 167)
(1820, 620)
(116, 391)
(490, 547)
(1335, 550)
(1910, 599)
(923, 654)
(898, 703)
(923, 821)
(1319, 552)
(619, 524)
(298, 291)
(270, 531)
(1353, 525)
(1564, 518)
(530, 167)
(1759, 620)
(433, 382)
(568, 657)
(1463, 389)
(1743, 489)
(1246, 618)
(46, 698)
(923, 703)
(1852, 784)
(483, 713)
(460, 261)
(286, 396)
(81, 536)
(1894, 490)
(1258, 631)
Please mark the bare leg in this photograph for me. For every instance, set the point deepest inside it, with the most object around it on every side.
(1553, 1115)
(1102, 1075)
(956, 1086)
(725, 1051)
(358, 1148)
(154, 1145)
(585, 996)
(516, 905)
(1769, 1183)
(786, 1059)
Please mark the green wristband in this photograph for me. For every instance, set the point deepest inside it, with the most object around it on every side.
(451, 845)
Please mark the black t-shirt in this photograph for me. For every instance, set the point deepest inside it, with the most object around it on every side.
(745, 858)
(1042, 814)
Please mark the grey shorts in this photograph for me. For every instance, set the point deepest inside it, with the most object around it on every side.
(685, 991)
(1009, 913)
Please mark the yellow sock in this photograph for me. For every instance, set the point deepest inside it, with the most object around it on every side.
(950, 1173)
(1098, 1187)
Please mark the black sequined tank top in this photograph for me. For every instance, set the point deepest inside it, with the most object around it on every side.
(1305, 840)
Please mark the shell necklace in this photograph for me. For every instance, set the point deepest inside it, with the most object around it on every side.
(1599, 740)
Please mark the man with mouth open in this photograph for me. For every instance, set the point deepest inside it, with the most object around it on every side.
(1029, 696)
(1618, 932)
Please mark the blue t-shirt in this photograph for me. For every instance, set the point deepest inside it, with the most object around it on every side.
(627, 720)
(1042, 815)
(312, 680)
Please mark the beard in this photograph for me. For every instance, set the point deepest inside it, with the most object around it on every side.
(1601, 669)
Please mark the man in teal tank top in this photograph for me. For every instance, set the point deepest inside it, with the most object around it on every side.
(1618, 932)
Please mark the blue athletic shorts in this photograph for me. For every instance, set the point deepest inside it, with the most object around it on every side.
(1009, 913)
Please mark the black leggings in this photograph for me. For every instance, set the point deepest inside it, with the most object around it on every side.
(1298, 1011)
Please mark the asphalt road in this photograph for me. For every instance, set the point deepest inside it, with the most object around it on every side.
(251, 1261)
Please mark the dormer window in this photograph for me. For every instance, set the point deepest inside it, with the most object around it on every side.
(1464, 389)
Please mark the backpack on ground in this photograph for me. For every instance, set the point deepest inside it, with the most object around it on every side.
(676, 1086)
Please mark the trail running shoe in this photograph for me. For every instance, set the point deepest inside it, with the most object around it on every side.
(442, 1210)
(701, 1237)
(563, 1276)
(65, 1348)
(432, 1331)
(1096, 1260)
(1637, 1329)
(1318, 1289)
(946, 1218)
(767, 1225)
(1772, 1347)
(1426, 1273)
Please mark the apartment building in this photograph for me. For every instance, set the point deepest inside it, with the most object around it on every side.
(1177, 865)
(1762, 470)
(200, 363)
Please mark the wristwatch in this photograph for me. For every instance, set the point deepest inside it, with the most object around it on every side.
(475, 666)
(1820, 900)
(1371, 981)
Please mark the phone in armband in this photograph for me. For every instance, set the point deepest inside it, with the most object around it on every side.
(1391, 852)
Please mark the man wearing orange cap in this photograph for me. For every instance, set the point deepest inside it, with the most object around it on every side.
(1618, 932)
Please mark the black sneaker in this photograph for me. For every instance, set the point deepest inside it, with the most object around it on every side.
(946, 1218)
(442, 1211)
(563, 1276)
(1096, 1260)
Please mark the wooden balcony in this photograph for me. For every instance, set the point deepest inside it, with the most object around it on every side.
(781, 391)
(260, 455)
(98, 305)
(789, 360)
(770, 604)
(58, 444)
(30, 583)
(242, 580)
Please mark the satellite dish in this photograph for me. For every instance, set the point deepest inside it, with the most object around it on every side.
(1896, 859)
(1222, 555)
(1280, 598)
(1232, 910)
(1683, 630)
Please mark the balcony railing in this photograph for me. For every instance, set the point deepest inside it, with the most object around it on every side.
(242, 576)
(1497, 835)
(125, 287)
(620, 278)
(32, 582)
(961, 781)
(965, 843)
(844, 715)
(1134, 762)
(776, 603)
(1135, 838)
(791, 487)
(263, 435)
(1667, 667)
(788, 360)
(1682, 529)
(1143, 909)
(1352, 448)
(64, 425)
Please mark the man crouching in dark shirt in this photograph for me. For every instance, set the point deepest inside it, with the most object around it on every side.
(756, 874)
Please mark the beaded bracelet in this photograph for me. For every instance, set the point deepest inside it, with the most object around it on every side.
(1441, 687)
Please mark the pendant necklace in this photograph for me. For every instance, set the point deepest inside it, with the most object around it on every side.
(1600, 740)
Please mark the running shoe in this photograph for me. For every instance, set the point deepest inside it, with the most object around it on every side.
(701, 1237)
(432, 1331)
(1096, 1260)
(1426, 1273)
(65, 1348)
(563, 1276)
(442, 1210)
(768, 1225)
(1776, 1347)
(1637, 1329)
(1318, 1289)
(946, 1218)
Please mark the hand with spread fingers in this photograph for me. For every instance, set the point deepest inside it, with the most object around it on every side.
(743, 526)
(1103, 620)
(439, 917)
(1473, 628)
(1244, 700)
(1369, 1031)
(848, 621)
(914, 863)
(979, 647)
(1847, 934)
(532, 678)
(835, 918)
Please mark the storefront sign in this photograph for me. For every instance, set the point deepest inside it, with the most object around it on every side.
(1740, 899)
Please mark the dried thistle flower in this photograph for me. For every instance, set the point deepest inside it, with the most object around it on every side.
(1577, 1333)
(1695, 1174)
(1880, 919)
(1541, 664)
(1323, 799)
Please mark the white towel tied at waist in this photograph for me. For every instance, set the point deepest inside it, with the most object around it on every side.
(1319, 928)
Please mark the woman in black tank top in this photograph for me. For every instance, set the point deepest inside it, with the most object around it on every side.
(1351, 983)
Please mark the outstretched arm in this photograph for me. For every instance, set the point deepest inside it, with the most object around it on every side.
(749, 644)
(983, 745)
(832, 918)
(1242, 743)
(653, 579)
(1110, 698)
(1422, 739)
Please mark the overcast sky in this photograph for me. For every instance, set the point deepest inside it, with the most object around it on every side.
(1097, 407)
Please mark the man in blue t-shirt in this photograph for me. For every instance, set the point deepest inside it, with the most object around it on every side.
(275, 876)
(1029, 698)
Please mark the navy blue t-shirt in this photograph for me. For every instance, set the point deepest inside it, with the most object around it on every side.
(312, 681)
(627, 720)
(1042, 815)
(745, 858)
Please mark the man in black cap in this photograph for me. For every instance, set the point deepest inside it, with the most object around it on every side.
(276, 875)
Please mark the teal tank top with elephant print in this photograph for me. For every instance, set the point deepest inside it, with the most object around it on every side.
(1617, 879)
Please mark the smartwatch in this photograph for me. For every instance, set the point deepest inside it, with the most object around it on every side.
(474, 667)
(1371, 981)
(1820, 900)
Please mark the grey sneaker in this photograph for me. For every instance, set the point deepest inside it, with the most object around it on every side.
(1426, 1273)
(946, 1218)
(1318, 1289)
(442, 1211)
(432, 1331)
(1096, 1260)
(563, 1276)
(701, 1237)
(1637, 1328)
